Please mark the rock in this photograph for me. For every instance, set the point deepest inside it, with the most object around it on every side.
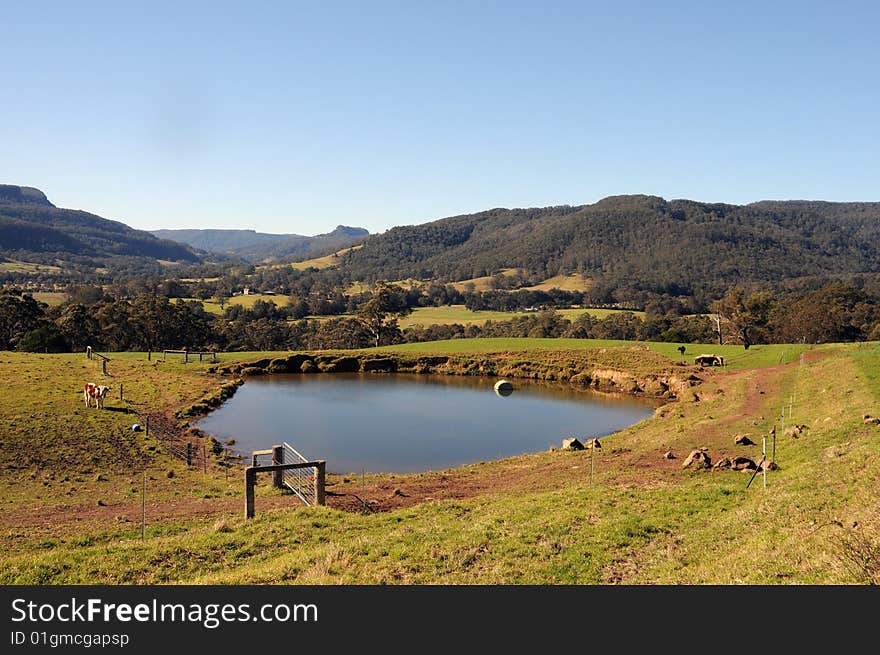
(723, 463)
(572, 443)
(743, 440)
(740, 463)
(872, 420)
(594, 443)
(770, 466)
(794, 431)
(698, 459)
(668, 455)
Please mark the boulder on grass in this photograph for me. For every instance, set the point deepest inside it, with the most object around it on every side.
(668, 455)
(572, 443)
(740, 463)
(723, 463)
(743, 440)
(795, 431)
(871, 420)
(594, 443)
(698, 459)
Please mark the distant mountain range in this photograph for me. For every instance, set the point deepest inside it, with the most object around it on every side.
(260, 246)
(32, 229)
(628, 247)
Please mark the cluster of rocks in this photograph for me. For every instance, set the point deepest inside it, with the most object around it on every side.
(871, 420)
(700, 458)
(573, 443)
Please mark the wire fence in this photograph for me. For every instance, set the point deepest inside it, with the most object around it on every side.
(187, 448)
(300, 481)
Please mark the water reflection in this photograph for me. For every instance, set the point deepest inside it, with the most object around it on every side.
(407, 423)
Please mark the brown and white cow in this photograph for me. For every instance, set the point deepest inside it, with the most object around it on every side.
(96, 392)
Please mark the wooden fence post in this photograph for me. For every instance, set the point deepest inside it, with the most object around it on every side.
(104, 366)
(250, 478)
(88, 352)
(278, 458)
(320, 475)
(189, 459)
(149, 355)
(147, 426)
(121, 392)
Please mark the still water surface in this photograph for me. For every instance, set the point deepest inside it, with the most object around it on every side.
(407, 423)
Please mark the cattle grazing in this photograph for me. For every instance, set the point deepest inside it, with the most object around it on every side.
(96, 392)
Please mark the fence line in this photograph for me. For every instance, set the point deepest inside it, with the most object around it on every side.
(91, 354)
(189, 353)
(191, 450)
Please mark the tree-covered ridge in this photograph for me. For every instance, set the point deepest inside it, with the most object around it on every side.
(31, 228)
(635, 244)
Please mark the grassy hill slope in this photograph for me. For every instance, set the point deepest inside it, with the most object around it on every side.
(530, 519)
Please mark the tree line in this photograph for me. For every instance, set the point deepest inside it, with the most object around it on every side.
(834, 313)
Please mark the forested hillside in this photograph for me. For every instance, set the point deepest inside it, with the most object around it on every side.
(633, 244)
(33, 230)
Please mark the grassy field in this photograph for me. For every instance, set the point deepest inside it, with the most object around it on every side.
(573, 282)
(536, 519)
(450, 314)
(735, 357)
(323, 262)
(51, 298)
(480, 283)
(27, 267)
(248, 301)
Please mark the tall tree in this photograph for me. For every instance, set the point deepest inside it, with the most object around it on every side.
(379, 314)
(747, 313)
(19, 314)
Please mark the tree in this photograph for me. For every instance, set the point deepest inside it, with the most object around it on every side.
(44, 339)
(379, 314)
(747, 313)
(78, 326)
(19, 314)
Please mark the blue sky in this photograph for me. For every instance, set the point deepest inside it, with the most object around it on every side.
(296, 117)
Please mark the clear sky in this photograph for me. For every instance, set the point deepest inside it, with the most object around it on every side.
(296, 117)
